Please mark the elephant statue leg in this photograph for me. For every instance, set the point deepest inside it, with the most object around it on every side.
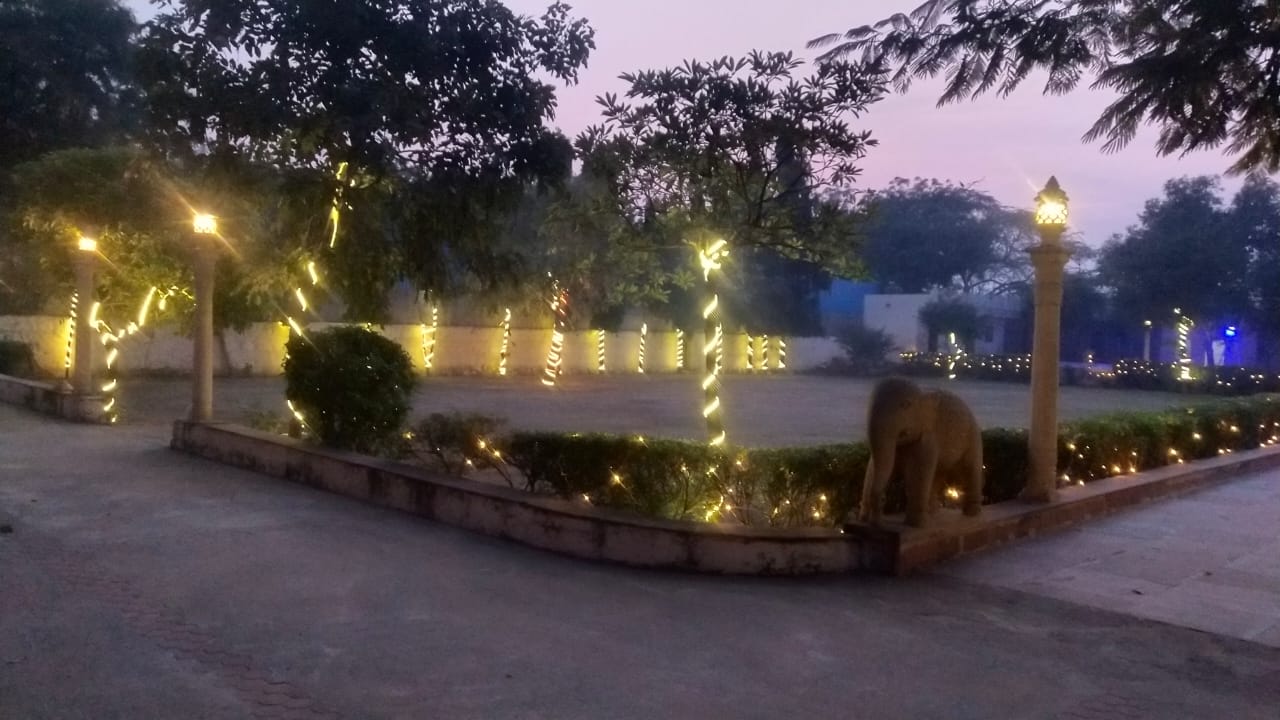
(973, 478)
(872, 505)
(919, 469)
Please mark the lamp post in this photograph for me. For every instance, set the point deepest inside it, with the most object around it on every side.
(1049, 259)
(86, 264)
(204, 251)
(1146, 341)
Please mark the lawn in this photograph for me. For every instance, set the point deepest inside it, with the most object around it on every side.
(759, 410)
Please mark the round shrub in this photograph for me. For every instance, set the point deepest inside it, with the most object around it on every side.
(351, 385)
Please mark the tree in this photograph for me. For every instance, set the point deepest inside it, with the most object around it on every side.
(1254, 218)
(730, 156)
(421, 122)
(1181, 254)
(934, 235)
(944, 316)
(64, 76)
(1206, 72)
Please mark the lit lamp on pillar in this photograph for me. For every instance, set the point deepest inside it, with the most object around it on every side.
(204, 249)
(86, 265)
(1049, 259)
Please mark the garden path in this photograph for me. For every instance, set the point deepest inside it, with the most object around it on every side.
(137, 582)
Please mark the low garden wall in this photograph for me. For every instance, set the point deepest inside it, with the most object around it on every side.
(259, 350)
(50, 399)
(576, 530)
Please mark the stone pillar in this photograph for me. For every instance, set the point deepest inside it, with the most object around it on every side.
(1049, 260)
(205, 255)
(86, 264)
(1146, 342)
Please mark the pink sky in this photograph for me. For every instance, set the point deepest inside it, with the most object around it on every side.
(1008, 147)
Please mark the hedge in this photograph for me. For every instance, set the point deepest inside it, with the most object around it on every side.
(819, 486)
(16, 358)
(1129, 374)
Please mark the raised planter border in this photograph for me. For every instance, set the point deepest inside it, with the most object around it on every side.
(592, 533)
(896, 549)
(50, 398)
(569, 528)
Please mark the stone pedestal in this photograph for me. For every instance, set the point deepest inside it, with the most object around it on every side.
(1049, 260)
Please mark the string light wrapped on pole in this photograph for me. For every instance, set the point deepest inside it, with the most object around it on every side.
(506, 343)
(555, 355)
(644, 337)
(679, 349)
(711, 258)
(429, 339)
(600, 352)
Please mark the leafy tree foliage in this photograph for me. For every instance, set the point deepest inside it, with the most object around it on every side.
(928, 235)
(435, 108)
(739, 149)
(946, 315)
(64, 75)
(1204, 71)
(1181, 254)
(1255, 219)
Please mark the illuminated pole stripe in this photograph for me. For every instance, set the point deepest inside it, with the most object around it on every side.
(555, 355)
(679, 349)
(751, 353)
(71, 335)
(764, 353)
(429, 339)
(710, 258)
(600, 353)
(644, 336)
(782, 354)
(506, 343)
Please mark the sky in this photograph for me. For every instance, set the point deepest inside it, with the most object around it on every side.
(1007, 147)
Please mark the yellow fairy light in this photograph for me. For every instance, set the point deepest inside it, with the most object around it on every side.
(506, 342)
(600, 354)
(295, 327)
(751, 353)
(429, 339)
(335, 212)
(782, 354)
(953, 493)
(302, 299)
(93, 313)
(644, 336)
(555, 354)
(311, 271)
(679, 349)
(145, 310)
(764, 353)
(711, 258)
(71, 333)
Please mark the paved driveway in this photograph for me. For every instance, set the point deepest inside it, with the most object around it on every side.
(139, 583)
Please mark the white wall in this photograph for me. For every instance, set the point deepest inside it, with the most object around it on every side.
(260, 349)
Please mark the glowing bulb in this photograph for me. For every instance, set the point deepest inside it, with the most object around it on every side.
(88, 244)
(204, 224)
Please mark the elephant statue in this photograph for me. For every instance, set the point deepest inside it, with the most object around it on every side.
(934, 441)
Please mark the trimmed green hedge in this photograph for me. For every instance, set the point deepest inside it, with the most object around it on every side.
(819, 486)
(1129, 374)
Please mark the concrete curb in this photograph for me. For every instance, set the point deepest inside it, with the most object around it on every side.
(51, 399)
(896, 549)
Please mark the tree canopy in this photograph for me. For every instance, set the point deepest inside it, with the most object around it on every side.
(928, 235)
(1205, 72)
(52, 97)
(1181, 254)
(740, 149)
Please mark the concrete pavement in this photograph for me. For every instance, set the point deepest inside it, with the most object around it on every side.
(139, 583)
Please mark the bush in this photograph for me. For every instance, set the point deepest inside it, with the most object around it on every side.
(866, 349)
(16, 358)
(352, 387)
(458, 444)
